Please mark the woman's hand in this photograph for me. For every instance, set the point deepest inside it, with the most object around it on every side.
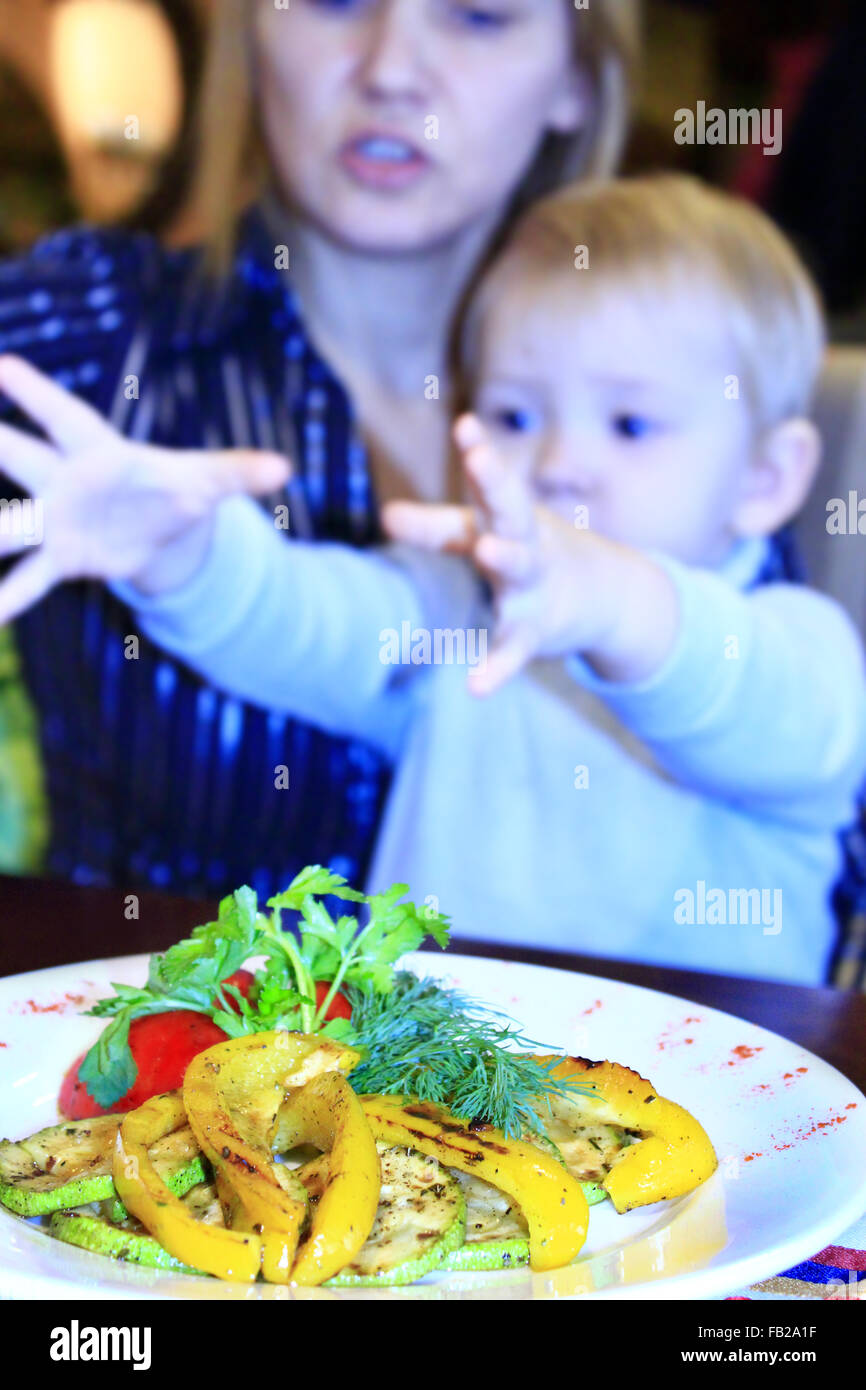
(108, 507)
(557, 591)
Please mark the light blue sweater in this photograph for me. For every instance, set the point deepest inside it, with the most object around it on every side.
(690, 820)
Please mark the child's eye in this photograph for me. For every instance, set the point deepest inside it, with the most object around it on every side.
(516, 420)
(632, 426)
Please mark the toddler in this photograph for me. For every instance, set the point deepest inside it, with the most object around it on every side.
(658, 753)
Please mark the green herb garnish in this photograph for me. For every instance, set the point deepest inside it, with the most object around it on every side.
(315, 947)
(434, 1043)
(416, 1037)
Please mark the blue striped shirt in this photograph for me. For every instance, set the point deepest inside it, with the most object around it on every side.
(155, 779)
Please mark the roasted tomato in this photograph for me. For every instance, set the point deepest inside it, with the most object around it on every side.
(162, 1045)
(339, 1006)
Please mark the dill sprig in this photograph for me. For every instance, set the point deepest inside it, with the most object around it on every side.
(437, 1044)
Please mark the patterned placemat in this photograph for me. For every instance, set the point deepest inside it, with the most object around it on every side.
(835, 1273)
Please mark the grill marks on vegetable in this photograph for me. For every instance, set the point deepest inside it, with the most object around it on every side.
(474, 1130)
(68, 1166)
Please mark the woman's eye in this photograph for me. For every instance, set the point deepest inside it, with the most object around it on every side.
(477, 17)
(632, 426)
(515, 420)
(338, 6)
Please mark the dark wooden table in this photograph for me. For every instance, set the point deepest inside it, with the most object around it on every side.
(44, 923)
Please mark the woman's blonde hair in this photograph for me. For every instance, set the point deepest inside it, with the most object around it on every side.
(668, 238)
(232, 158)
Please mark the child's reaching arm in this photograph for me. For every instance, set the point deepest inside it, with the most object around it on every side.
(302, 628)
(761, 701)
(757, 699)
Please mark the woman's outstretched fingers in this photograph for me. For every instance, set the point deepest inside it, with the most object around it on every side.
(28, 461)
(433, 527)
(28, 582)
(253, 471)
(15, 535)
(70, 422)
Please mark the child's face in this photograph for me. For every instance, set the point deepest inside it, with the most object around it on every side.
(619, 411)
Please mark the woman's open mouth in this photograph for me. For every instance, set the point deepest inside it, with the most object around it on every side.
(381, 161)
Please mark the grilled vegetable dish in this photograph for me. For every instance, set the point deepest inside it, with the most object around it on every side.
(328, 1119)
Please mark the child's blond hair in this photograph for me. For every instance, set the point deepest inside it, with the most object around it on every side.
(671, 236)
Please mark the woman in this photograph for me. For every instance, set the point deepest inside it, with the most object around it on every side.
(398, 137)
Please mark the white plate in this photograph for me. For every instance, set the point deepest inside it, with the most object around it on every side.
(789, 1130)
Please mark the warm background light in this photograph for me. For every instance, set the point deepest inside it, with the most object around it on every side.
(111, 60)
(115, 87)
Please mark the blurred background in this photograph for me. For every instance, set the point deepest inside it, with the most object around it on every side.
(72, 72)
(96, 123)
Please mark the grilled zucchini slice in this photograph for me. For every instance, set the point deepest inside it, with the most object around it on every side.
(177, 1180)
(419, 1220)
(496, 1233)
(69, 1165)
(588, 1150)
(497, 1236)
(130, 1241)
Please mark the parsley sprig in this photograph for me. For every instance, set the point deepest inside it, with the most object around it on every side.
(313, 947)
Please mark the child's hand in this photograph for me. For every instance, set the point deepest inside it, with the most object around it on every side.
(557, 591)
(540, 571)
(110, 508)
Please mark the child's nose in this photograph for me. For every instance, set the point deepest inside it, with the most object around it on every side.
(568, 469)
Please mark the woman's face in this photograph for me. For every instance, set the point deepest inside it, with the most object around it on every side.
(395, 123)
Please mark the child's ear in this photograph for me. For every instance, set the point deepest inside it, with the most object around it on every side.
(778, 479)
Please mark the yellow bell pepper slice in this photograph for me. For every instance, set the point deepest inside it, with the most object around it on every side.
(674, 1154)
(232, 1093)
(555, 1208)
(326, 1112)
(227, 1254)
